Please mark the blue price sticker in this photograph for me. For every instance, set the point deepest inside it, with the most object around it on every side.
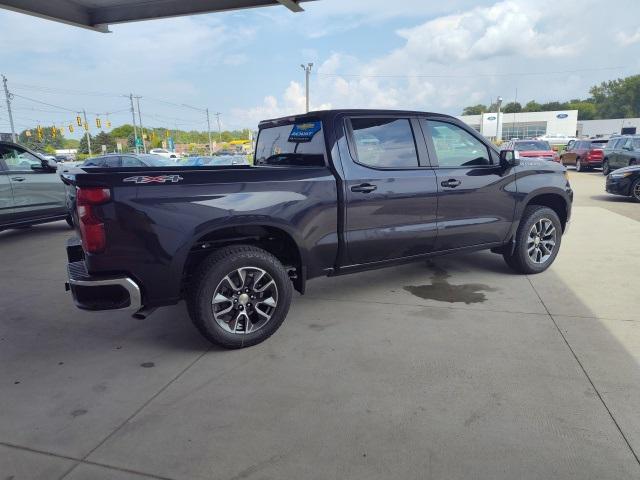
(304, 132)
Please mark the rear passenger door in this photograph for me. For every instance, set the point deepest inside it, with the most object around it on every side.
(391, 192)
(476, 195)
(621, 155)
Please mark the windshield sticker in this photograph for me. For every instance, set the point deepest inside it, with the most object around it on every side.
(304, 132)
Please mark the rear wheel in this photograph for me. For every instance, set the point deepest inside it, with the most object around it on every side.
(635, 190)
(69, 221)
(579, 167)
(537, 240)
(606, 170)
(240, 296)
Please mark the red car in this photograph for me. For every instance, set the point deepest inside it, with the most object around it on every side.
(584, 154)
(533, 148)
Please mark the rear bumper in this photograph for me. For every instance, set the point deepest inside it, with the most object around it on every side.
(92, 292)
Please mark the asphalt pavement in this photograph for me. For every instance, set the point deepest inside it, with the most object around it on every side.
(455, 368)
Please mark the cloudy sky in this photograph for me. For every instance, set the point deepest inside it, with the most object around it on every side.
(418, 54)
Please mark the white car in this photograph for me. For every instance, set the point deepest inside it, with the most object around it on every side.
(556, 139)
(164, 153)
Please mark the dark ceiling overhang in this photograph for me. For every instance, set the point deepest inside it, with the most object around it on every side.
(99, 14)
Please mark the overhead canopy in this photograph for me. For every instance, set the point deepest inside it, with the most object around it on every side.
(98, 14)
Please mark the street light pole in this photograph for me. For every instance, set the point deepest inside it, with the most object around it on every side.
(209, 132)
(135, 128)
(86, 131)
(307, 72)
(498, 132)
(219, 129)
(144, 145)
(8, 98)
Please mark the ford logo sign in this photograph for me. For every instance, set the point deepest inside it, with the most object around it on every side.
(562, 115)
(491, 118)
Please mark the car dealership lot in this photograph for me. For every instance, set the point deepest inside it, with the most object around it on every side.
(453, 368)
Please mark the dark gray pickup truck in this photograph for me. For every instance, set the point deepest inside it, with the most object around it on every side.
(330, 193)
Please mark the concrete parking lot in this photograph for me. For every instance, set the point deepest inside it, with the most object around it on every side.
(450, 369)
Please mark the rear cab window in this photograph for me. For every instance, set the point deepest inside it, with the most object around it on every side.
(383, 142)
(297, 144)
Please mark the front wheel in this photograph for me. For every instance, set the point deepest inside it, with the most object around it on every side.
(606, 170)
(240, 296)
(537, 240)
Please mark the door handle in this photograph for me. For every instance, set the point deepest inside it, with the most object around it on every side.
(18, 179)
(363, 188)
(451, 183)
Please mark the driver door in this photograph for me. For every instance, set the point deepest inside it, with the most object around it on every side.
(37, 192)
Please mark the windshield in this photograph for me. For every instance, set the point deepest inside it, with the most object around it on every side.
(300, 144)
(533, 145)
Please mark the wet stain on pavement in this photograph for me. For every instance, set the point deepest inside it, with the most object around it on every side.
(441, 290)
(147, 365)
(78, 412)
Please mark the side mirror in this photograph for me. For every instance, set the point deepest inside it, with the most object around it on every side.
(509, 158)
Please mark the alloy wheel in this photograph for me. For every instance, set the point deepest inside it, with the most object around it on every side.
(245, 300)
(541, 241)
(636, 191)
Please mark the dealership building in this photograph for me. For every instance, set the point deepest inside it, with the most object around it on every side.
(558, 123)
(524, 124)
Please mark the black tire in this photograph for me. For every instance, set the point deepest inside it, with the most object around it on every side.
(605, 168)
(632, 162)
(69, 221)
(579, 167)
(520, 261)
(209, 276)
(635, 190)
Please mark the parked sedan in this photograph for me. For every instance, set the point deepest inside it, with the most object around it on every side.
(163, 153)
(621, 151)
(31, 191)
(215, 161)
(584, 154)
(625, 181)
(533, 148)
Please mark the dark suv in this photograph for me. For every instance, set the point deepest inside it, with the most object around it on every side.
(584, 154)
(621, 151)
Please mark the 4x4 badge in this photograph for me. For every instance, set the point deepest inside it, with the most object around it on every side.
(158, 179)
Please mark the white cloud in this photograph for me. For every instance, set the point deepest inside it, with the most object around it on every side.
(626, 39)
(456, 59)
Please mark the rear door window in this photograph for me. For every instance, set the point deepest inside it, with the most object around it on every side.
(384, 142)
(299, 144)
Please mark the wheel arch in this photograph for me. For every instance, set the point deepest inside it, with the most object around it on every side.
(275, 239)
(554, 201)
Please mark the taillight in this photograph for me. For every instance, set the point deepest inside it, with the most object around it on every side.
(91, 226)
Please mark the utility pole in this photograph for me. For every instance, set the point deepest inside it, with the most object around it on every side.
(307, 72)
(135, 128)
(144, 145)
(86, 131)
(219, 129)
(209, 132)
(8, 98)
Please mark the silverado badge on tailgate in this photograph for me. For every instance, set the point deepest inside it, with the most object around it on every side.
(156, 179)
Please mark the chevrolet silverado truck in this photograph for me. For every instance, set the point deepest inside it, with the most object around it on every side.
(329, 193)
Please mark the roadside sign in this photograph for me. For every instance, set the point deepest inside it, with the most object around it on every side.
(170, 144)
(138, 142)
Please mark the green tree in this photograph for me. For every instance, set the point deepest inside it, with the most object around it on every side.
(532, 106)
(123, 131)
(471, 110)
(103, 138)
(83, 147)
(512, 107)
(618, 98)
(50, 140)
(586, 110)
